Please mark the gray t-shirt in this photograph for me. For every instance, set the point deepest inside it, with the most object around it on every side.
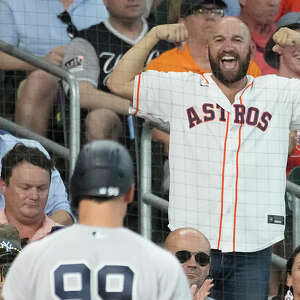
(84, 262)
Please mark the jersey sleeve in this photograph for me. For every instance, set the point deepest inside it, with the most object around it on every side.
(156, 94)
(174, 284)
(18, 282)
(81, 60)
(8, 29)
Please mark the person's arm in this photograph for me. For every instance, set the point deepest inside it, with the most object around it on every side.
(292, 141)
(121, 81)
(82, 61)
(8, 62)
(62, 217)
(91, 98)
(163, 137)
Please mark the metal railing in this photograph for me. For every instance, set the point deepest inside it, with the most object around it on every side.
(59, 72)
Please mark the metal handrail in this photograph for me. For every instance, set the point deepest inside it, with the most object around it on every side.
(43, 64)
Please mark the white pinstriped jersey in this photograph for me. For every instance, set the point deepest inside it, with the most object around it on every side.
(227, 161)
(95, 263)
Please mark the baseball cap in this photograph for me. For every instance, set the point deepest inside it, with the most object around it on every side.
(290, 20)
(103, 170)
(10, 243)
(188, 6)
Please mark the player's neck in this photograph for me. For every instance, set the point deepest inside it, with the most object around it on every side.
(127, 27)
(105, 214)
(231, 90)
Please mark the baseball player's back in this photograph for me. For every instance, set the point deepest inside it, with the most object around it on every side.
(86, 262)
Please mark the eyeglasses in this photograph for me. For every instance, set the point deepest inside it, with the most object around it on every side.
(66, 19)
(200, 257)
(219, 12)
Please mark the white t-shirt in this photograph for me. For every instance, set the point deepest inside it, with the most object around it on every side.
(227, 161)
(84, 262)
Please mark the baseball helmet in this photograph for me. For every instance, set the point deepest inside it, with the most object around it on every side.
(103, 171)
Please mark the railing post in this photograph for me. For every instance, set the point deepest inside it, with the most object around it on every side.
(296, 221)
(145, 214)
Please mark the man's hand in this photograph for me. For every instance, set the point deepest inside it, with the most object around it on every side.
(173, 33)
(204, 291)
(56, 55)
(286, 37)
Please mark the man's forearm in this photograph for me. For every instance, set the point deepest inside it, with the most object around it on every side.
(121, 81)
(62, 217)
(131, 64)
(8, 63)
(92, 98)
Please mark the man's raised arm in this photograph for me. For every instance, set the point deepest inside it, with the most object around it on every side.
(132, 63)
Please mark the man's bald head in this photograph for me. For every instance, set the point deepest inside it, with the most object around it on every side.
(232, 23)
(194, 242)
(187, 238)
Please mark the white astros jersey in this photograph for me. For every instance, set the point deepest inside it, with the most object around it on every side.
(227, 161)
(95, 263)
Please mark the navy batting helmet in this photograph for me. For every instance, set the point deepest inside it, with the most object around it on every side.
(103, 170)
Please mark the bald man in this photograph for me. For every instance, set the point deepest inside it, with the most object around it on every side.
(228, 149)
(192, 249)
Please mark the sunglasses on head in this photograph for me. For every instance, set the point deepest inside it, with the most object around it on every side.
(200, 257)
(66, 19)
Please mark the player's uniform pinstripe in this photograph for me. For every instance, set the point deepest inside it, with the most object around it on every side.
(227, 161)
(85, 262)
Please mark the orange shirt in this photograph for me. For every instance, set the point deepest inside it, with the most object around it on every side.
(176, 60)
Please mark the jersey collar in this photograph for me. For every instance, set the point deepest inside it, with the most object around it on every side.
(125, 38)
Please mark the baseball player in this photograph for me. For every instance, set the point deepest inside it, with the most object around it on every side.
(98, 258)
(228, 148)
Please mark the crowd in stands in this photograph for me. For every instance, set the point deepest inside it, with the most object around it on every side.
(89, 38)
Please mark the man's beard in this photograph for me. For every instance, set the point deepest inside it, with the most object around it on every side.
(228, 78)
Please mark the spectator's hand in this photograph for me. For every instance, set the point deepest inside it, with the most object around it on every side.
(286, 37)
(204, 291)
(56, 55)
(173, 33)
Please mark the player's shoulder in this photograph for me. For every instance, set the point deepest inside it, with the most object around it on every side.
(156, 253)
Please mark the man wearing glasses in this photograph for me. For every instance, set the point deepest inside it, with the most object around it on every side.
(192, 249)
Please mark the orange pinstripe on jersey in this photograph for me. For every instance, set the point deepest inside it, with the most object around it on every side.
(138, 95)
(223, 176)
(237, 172)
